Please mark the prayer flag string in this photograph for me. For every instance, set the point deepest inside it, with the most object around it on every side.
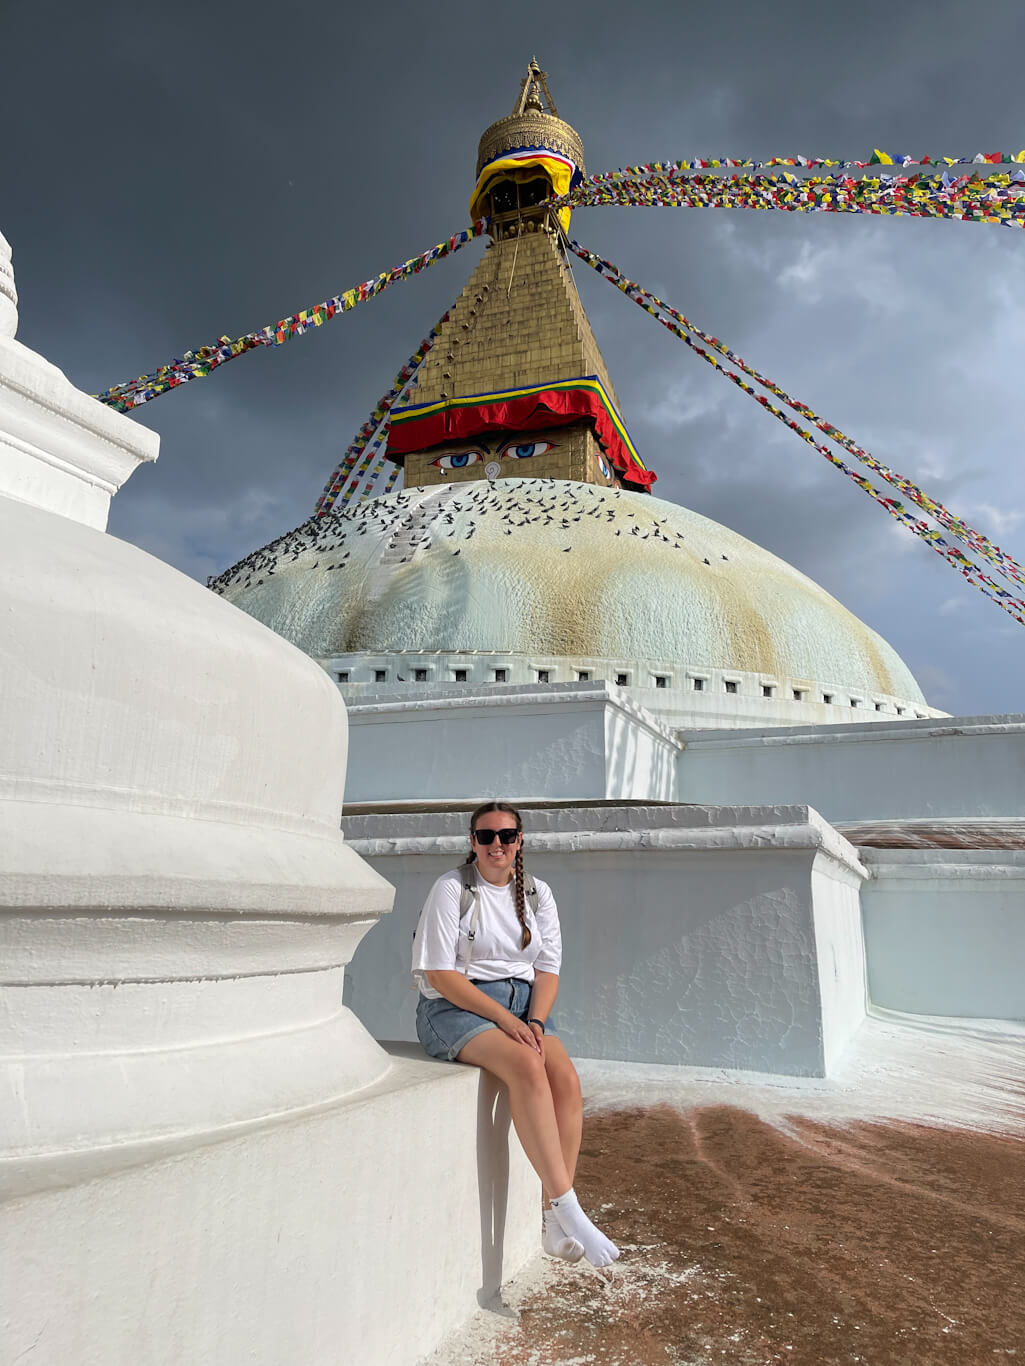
(372, 478)
(996, 198)
(982, 195)
(877, 158)
(199, 363)
(676, 323)
(340, 487)
(981, 544)
(393, 478)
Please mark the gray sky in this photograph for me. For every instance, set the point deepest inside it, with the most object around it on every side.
(201, 169)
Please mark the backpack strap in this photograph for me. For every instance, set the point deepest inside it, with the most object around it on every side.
(468, 891)
(530, 892)
(468, 897)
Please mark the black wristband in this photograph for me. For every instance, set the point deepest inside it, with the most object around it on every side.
(534, 1020)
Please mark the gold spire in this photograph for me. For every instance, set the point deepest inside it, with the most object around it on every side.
(533, 86)
(482, 404)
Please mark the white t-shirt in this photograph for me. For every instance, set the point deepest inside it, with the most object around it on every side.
(441, 940)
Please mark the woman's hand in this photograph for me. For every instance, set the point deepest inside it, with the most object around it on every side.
(539, 1036)
(516, 1029)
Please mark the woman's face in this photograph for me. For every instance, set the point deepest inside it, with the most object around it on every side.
(496, 859)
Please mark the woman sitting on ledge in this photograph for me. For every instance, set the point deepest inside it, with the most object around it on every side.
(486, 956)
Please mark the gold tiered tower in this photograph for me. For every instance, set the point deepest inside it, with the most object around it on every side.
(516, 385)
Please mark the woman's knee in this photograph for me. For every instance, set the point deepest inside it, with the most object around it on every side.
(563, 1079)
(512, 1063)
(528, 1068)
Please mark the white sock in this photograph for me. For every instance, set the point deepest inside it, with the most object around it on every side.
(598, 1249)
(555, 1242)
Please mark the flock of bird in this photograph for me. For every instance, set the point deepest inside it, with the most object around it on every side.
(410, 522)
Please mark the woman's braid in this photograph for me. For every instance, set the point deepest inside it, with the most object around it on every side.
(521, 912)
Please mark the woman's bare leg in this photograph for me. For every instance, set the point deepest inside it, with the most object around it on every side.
(533, 1113)
(530, 1101)
(569, 1107)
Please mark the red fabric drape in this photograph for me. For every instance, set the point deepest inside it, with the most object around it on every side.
(413, 430)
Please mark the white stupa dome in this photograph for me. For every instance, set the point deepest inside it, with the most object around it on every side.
(546, 568)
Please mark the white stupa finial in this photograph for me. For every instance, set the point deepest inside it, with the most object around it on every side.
(8, 294)
(60, 450)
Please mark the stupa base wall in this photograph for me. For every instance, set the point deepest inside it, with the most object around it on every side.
(363, 1232)
(579, 743)
(959, 768)
(945, 931)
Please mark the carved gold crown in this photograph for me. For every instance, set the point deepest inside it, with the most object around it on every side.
(534, 122)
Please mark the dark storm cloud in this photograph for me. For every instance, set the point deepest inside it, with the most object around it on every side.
(170, 177)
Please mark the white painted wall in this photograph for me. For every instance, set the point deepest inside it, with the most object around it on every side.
(640, 756)
(568, 741)
(722, 938)
(972, 767)
(945, 931)
(840, 951)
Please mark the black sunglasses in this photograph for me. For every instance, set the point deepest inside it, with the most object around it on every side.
(507, 836)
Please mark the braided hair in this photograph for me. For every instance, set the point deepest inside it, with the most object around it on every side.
(520, 899)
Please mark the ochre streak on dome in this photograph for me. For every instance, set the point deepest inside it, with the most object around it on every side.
(869, 643)
(749, 634)
(565, 618)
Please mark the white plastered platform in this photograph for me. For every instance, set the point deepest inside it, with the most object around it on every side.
(363, 1230)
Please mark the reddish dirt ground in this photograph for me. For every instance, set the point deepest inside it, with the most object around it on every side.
(888, 1244)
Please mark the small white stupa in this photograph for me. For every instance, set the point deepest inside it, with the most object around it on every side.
(204, 1156)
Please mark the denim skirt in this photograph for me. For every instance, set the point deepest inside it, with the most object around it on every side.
(445, 1029)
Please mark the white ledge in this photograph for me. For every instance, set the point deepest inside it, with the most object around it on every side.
(547, 698)
(863, 732)
(590, 830)
(953, 866)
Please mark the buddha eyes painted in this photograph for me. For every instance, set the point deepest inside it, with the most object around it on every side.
(516, 450)
(458, 462)
(523, 450)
